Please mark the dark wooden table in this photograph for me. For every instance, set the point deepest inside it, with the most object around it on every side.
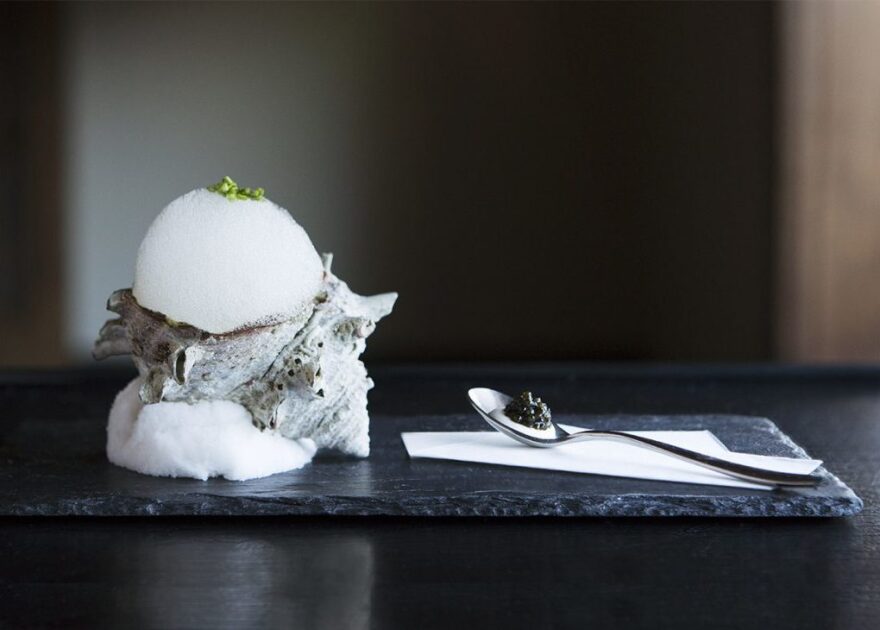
(424, 573)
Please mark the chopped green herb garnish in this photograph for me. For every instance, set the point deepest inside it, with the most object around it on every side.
(529, 411)
(231, 191)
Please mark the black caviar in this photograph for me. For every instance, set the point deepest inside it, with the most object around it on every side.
(529, 411)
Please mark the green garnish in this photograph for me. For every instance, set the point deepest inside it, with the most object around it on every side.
(529, 411)
(231, 191)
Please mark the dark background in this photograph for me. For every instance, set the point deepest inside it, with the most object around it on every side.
(586, 180)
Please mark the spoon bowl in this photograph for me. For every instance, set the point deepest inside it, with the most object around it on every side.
(490, 405)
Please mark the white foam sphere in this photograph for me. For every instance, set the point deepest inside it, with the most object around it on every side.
(221, 264)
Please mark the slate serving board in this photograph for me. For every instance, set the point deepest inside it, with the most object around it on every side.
(58, 467)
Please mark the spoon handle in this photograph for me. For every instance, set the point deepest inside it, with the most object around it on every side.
(741, 471)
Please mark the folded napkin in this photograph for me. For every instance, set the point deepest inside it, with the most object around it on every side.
(601, 457)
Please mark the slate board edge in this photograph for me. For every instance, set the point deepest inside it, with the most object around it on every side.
(511, 505)
(497, 505)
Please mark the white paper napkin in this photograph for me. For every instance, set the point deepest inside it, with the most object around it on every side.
(600, 457)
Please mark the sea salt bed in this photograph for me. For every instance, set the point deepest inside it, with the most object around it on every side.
(221, 265)
(202, 440)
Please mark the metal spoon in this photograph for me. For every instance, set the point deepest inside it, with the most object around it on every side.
(490, 405)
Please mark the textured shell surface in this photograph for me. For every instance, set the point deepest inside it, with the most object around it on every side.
(302, 376)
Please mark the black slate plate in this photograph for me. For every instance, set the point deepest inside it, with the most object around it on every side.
(58, 467)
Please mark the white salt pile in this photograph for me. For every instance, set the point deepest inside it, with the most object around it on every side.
(202, 440)
(221, 264)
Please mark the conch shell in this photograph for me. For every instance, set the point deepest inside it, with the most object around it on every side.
(301, 376)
